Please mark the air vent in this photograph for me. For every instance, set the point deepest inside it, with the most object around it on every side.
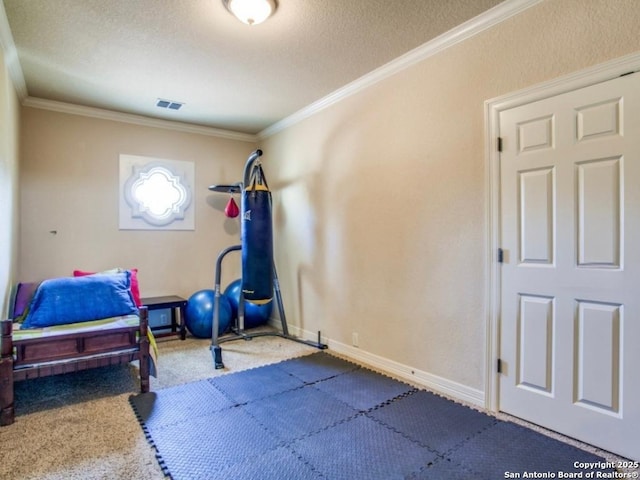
(169, 104)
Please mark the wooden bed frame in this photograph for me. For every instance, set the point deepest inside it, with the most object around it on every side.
(41, 357)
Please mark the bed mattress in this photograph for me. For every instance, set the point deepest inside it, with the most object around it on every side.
(93, 325)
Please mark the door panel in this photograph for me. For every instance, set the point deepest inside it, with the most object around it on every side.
(598, 356)
(535, 352)
(535, 198)
(599, 215)
(570, 283)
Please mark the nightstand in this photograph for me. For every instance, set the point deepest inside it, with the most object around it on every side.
(177, 305)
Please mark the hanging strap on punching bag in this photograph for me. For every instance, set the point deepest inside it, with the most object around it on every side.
(256, 236)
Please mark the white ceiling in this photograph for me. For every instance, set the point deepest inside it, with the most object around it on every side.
(123, 55)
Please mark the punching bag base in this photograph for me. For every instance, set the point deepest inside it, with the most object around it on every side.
(217, 356)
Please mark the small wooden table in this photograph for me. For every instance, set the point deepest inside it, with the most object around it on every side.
(171, 302)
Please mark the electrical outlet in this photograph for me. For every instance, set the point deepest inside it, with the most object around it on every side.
(355, 339)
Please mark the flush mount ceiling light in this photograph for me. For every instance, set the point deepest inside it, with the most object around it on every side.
(251, 12)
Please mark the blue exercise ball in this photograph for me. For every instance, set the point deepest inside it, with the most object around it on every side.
(254, 315)
(232, 292)
(199, 314)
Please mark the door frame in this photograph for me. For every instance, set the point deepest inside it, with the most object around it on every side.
(492, 108)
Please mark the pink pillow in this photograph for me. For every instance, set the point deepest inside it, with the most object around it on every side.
(135, 286)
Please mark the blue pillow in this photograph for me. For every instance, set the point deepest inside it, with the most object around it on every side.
(60, 301)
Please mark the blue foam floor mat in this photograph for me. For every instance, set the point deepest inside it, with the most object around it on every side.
(322, 417)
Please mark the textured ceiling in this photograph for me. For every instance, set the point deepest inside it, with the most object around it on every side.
(123, 55)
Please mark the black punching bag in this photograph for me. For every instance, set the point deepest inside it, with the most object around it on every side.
(256, 236)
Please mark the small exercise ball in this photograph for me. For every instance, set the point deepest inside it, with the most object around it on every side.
(199, 314)
(254, 315)
(232, 292)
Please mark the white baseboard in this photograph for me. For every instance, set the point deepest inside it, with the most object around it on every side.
(411, 375)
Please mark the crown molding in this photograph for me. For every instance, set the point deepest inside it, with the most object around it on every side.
(464, 31)
(11, 55)
(103, 114)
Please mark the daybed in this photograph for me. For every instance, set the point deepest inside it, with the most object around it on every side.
(74, 324)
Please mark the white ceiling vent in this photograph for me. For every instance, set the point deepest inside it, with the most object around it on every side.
(161, 103)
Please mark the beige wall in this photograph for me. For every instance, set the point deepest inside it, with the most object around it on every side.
(380, 199)
(9, 121)
(70, 184)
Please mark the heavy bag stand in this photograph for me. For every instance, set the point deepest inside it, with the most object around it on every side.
(239, 331)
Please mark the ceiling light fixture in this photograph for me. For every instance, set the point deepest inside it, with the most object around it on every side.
(251, 12)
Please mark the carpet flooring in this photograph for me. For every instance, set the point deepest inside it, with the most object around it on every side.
(319, 416)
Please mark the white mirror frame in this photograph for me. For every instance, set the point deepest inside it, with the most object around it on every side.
(155, 194)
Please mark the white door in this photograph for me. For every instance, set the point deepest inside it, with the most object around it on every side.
(570, 279)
